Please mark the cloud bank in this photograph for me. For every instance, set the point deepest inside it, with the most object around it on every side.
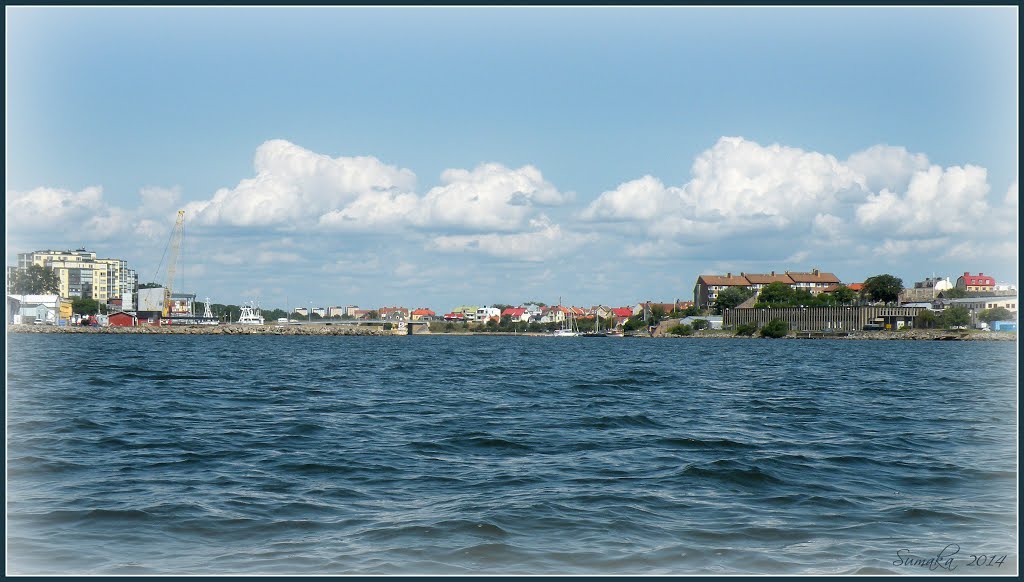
(742, 199)
(742, 192)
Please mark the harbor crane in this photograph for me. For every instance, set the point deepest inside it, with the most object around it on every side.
(172, 261)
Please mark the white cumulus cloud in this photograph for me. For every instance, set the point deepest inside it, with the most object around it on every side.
(53, 208)
(886, 167)
(742, 195)
(490, 197)
(936, 201)
(294, 185)
(736, 186)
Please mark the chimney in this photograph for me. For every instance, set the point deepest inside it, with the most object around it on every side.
(773, 273)
(980, 273)
(814, 272)
(728, 275)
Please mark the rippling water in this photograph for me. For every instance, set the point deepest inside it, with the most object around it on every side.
(209, 455)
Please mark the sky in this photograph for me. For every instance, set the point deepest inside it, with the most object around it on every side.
(436, 157)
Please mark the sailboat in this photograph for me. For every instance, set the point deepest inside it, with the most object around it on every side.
(569, 328)
(597, 326)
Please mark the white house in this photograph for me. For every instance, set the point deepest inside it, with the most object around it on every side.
(485, 313)
(35, 308)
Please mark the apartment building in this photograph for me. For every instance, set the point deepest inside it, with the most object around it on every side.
(706, 291)
(82, 274)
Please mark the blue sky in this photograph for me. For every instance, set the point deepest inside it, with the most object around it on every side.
(437, 157)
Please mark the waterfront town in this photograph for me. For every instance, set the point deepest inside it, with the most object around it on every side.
(77, 288)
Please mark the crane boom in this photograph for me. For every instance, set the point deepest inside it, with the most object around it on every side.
(172, 261)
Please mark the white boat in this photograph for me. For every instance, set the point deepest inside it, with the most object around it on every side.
(251, 315)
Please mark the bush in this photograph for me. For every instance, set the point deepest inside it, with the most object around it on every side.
(387, 326)
(680, 330)
(746, 329)
(776, 328)
(699, 324)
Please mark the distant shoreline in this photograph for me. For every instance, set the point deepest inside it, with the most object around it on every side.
(338, 330)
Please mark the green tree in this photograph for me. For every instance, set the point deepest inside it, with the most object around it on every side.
(747, 329)
(681, 330)
(995, 314)
(956, 316)
(85, 306)
(776, 328)
(731, 297)
(272, 315)
(885, 288)
(699, 324)
(776, 292)
(35, 280)
(634, 323)
(149, 285)
(373, 314)
(925, 320)
(844, 295)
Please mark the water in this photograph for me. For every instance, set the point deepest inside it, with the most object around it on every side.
(172, 454)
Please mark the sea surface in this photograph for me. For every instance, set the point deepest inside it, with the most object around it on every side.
(168, 454)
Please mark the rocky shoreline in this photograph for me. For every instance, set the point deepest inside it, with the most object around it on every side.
(229, 329)
(333, 330)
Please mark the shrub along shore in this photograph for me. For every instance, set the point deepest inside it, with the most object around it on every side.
(662, 331)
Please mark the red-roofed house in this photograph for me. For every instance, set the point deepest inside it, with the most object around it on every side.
(979, 282)
(516, 313)
(554, 313)
(855, 287)
(418, 314)
(622, 314)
